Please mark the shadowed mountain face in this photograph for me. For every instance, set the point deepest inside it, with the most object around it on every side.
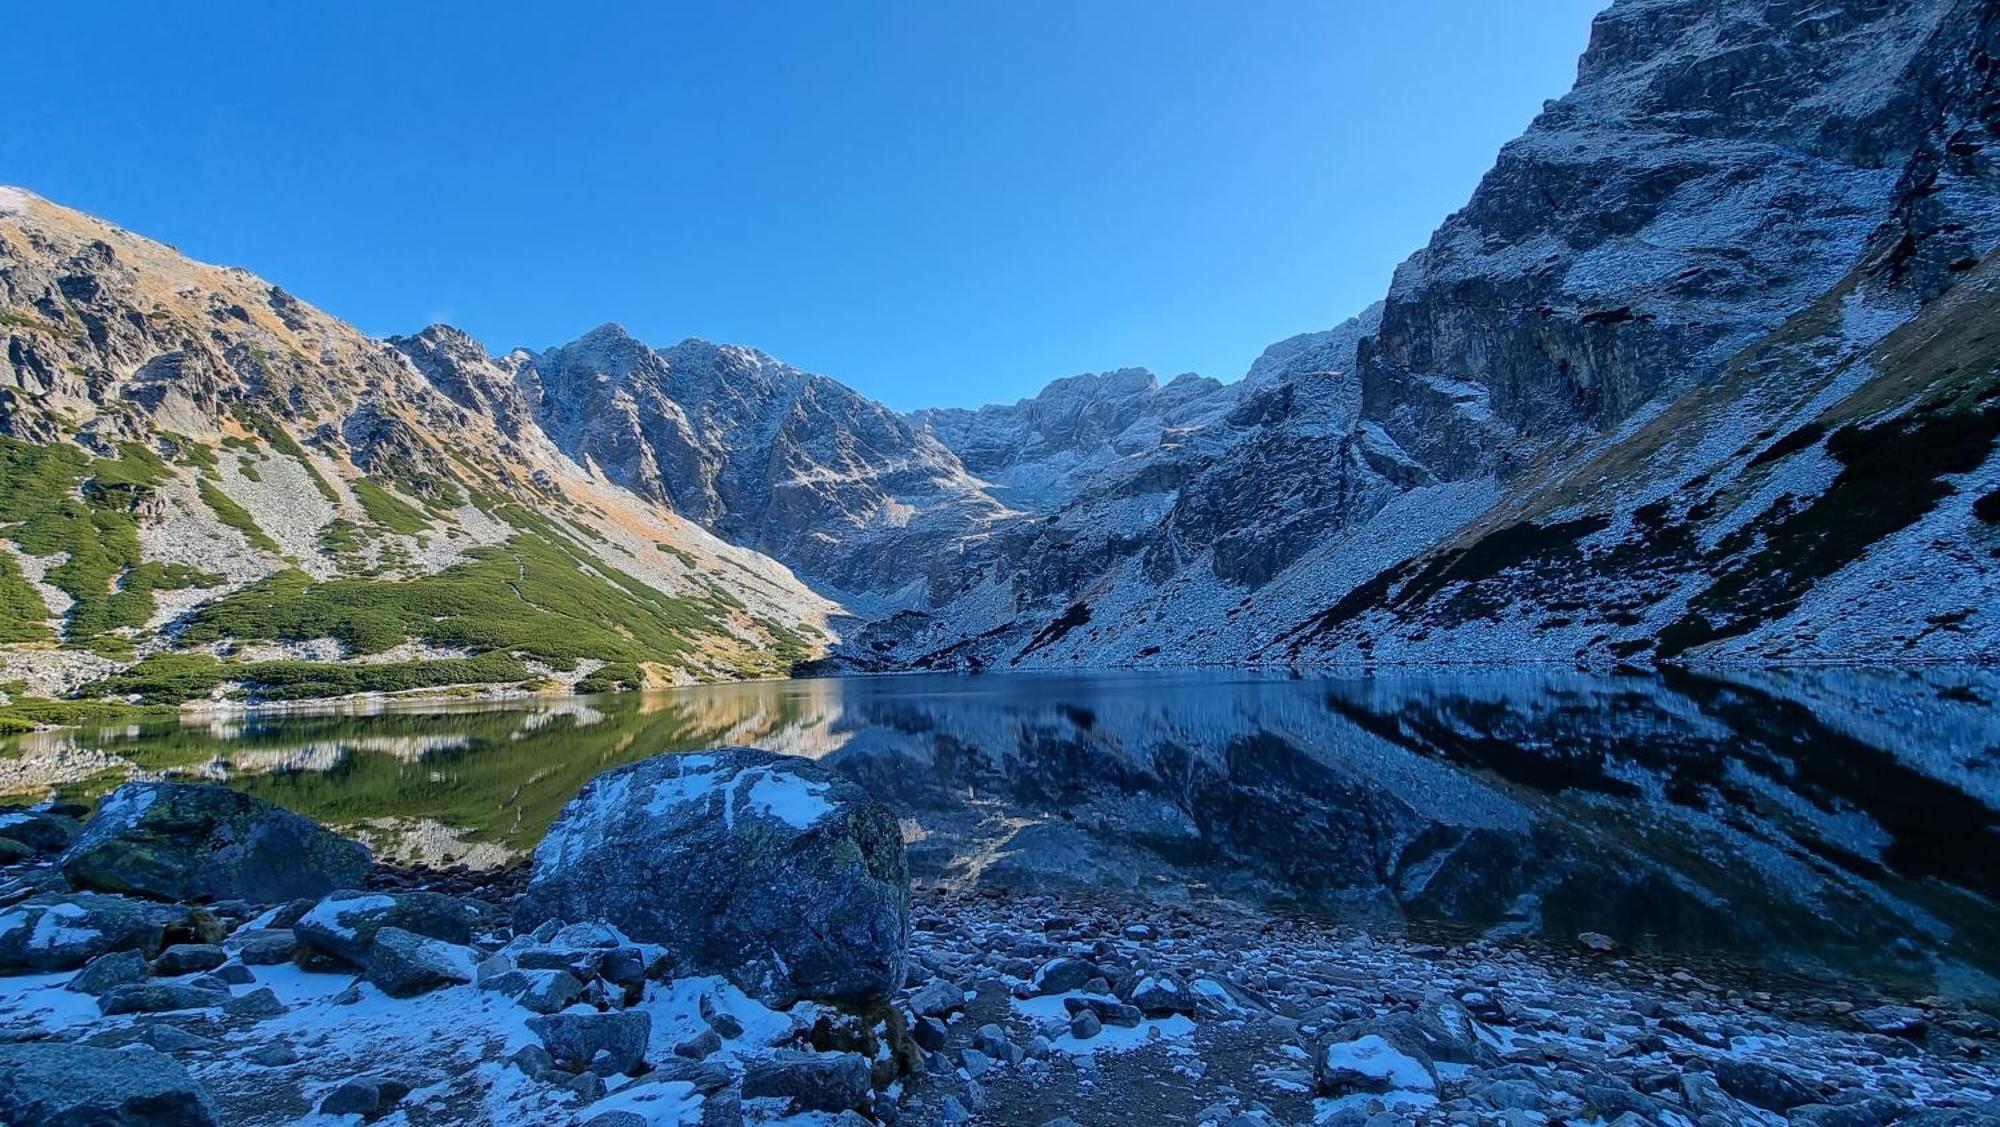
(1842, 819)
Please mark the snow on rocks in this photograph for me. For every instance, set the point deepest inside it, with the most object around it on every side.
(764, 868)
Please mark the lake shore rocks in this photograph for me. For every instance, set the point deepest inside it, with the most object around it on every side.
(786, 879)
(448, 1005)
(195, 841)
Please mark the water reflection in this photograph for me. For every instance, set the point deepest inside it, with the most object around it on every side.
(1842, 818)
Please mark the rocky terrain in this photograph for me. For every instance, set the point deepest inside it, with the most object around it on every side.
(158, 964)
(208, 488)
(1702, 372)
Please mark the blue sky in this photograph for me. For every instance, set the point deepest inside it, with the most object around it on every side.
(940, 203)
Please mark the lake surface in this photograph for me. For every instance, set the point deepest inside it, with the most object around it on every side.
(1839, 820)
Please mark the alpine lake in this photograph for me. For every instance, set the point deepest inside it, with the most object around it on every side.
(1817, 823)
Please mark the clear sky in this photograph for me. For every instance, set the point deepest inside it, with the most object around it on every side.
(939, 202)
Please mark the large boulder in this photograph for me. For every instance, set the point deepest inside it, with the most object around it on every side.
(63, 932)
(764, 868)
(47, 1082)
(188, 841)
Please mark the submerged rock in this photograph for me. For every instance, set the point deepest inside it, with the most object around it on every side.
(48, 1083)
(764, 868)
(63, 932)
(188, 841)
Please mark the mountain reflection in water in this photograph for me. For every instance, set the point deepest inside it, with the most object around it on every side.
(1827, 819)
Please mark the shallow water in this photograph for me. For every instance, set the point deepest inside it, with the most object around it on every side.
(1838, 820)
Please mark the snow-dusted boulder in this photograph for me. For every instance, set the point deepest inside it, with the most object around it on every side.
(187, 841)
(53, 932)
(764, 868)
(345, 924)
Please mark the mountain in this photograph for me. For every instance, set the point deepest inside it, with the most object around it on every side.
(208, 487)
(1704, 371)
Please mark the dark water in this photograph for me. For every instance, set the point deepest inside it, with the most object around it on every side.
(1844, 820)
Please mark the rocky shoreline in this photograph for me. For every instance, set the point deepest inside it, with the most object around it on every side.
(434, 997)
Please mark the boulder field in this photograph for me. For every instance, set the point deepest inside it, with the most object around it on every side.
(729, 937)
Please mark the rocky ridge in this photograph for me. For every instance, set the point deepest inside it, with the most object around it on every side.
(199, 466)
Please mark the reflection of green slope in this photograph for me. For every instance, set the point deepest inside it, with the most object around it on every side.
(510, 781)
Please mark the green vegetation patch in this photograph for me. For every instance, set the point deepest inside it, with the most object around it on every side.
(23, 615)
(25, 714)
(235, 516)
(173, 678)
(387, 510)
(532, 596)
(285, 444)
(57, 500)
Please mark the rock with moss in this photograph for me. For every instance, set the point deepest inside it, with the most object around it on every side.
(764, 868)
(195, 841)
(64, 932)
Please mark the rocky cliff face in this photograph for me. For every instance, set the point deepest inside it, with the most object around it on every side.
(792, 464)
(1697, 372)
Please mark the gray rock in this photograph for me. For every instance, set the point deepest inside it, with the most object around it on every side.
(182, 841)
(1890, 1021)
(1110, 1011)
(764, 868)
(38, 831)
(258, 1004)
(604, 1043)
(545, 991)
(1371, 1062)
(699, 1046)
(1160, 995)
(63, 932)
(1770, 1088)
(403, 964)
(235, 974)
(186, 958)
(344, 924)
(1085, 1024)
(260, 947)
(812, 1081)
(119, 968)
(172, 1039)
(60, 1085)
(370, 1097)
(936, 999)
(1060, 976)
(159, 997)
(277, 1054)
(533, 1061)
(707, 1078)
